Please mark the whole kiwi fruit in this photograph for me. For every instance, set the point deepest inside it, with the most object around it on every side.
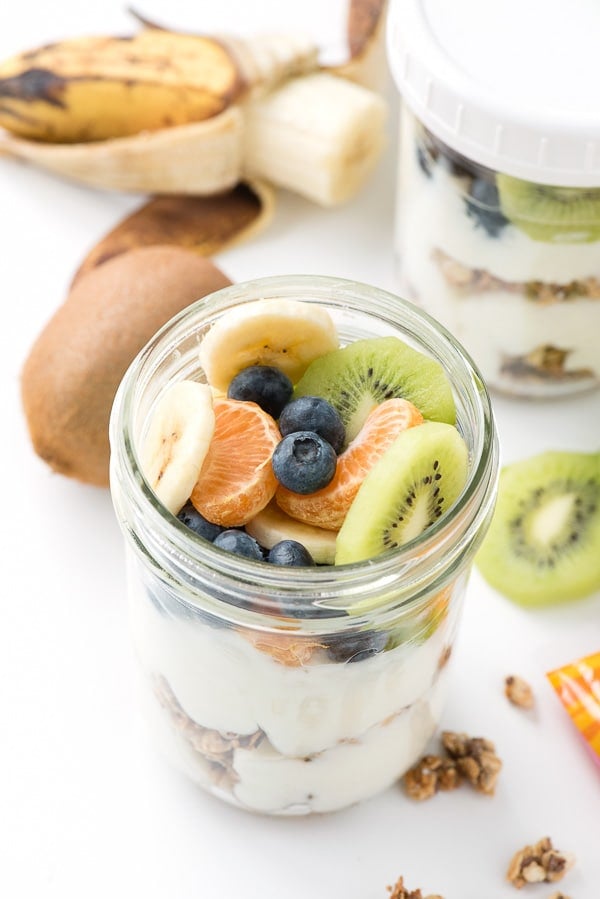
(71, 375)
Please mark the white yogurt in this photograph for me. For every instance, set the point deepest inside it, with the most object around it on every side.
(224, 683)
(334, 733)
(346, 773)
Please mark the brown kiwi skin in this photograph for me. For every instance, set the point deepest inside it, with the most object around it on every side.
(71, 375)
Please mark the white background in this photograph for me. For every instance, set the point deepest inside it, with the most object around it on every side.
(86, 807)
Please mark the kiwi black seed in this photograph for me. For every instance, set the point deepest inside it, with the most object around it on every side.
(356, 378)
(413, 484)
(543, 545)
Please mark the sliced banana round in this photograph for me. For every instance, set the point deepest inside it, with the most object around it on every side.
(177, 441)
(287, 334)
(272, 525)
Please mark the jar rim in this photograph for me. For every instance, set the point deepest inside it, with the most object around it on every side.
(423, 561)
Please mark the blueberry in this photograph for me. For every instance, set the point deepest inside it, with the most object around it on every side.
(265, 385)
(239, 543)
(290, 552)
(483, 206)
(197, 523)
(423, 160)
(356, 647)
(304, 462)
(313, 413)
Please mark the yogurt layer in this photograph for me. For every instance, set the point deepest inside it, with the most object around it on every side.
(264, 780)
(222, 682)
(498, 325)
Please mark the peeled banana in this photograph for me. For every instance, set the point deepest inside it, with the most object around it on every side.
(280, 332)
(177, 441)
(272, 525)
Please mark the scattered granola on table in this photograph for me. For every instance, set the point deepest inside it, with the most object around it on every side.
(519, 692)
(559, 896)
(399, 891)
(540, 863)
(472, 758)
(475, 758)
(430, 774)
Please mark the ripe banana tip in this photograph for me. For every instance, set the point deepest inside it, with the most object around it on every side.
(34, 85)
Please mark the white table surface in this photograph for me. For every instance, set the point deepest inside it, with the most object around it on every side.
(86, 808)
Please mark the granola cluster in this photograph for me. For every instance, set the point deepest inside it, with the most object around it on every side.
(519, 692)
(467, 758)
(540, 863)
(430, 774)
(399, 891)
(216, 748)
(478, 280)
(544, 363)
(475, 759)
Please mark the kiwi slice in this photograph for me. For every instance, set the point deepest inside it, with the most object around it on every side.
(413, 484)
(551, 214)
(358, 377)
(543, 545)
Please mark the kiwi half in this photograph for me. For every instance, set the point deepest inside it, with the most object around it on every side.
(551, 214)
(413, 484)
(358, 377)
(543, 545)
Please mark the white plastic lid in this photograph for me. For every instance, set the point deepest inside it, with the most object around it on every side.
(511, 84)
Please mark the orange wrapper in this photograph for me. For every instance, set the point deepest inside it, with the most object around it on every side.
(578, 688)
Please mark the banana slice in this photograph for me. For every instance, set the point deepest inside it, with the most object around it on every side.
(285, 333)
(272, 525)
(177, 441)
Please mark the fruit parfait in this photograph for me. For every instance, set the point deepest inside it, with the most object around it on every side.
(303, 469)
(498, 211)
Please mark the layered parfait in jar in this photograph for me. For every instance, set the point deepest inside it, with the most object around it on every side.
(303, 469)
(511, 267)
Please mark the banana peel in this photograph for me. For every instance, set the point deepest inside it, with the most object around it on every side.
(365, 38)
(202, 158)
(98, 88)
(205, 225)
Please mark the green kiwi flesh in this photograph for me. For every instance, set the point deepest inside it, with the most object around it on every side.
(543, 545)
(358, 377)
(551, 214)
(413, 485)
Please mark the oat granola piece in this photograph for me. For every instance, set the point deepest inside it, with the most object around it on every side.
(399, 891)
(430, 774)
(544, 363)
(215, 747)
(519, 692)
(475, 758)
(559, 896)
(540, 863)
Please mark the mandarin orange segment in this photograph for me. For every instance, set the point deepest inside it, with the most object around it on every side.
(236, 480)
(291, 650)
(327, 508)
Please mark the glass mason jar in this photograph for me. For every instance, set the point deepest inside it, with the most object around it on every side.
(510, 267)
(285, 690)
(498, 205)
